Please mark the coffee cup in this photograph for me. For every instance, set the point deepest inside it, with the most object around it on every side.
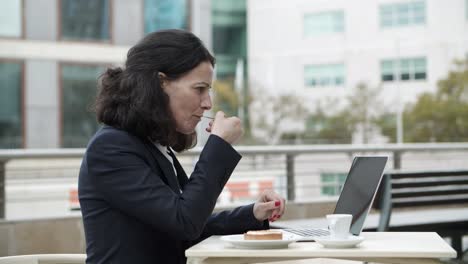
(339, 225)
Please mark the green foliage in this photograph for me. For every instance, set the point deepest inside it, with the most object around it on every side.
(274, 116)
(436, 117)
(387, 124)
(225, 98)
(328, 126)
(325, 128)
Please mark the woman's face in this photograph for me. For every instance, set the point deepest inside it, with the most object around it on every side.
(189, 96)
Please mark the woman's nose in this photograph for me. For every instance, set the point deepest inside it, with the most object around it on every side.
(206, 102)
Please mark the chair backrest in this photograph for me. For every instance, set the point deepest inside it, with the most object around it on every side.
(415, 189)
(45, 259)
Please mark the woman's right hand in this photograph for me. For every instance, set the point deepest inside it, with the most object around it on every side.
(227, 128)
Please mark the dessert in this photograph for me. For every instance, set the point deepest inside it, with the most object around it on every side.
(270, 234)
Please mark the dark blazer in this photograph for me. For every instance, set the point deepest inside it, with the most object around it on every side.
(133, 211)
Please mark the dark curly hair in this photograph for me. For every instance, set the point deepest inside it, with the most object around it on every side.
(132, 98)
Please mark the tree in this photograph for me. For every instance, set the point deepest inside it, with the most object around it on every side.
(225, 98)
(364, 108)
(325, 127)
(360, 111)
(440, 116)
(273, 116)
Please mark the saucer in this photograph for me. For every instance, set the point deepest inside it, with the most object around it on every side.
(349, 242)
(239, 242)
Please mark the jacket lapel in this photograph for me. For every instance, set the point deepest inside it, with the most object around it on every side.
(166, 167)
(181, 175)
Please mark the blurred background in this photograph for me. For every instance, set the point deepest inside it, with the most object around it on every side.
(315, 83)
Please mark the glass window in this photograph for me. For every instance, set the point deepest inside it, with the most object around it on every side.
(86, 20)
(408, 69)
(323, 23)
(332, 183)
(466, 9)
(420, 69)
(11, 135)
(405, 69)
(387, 70)
(418, 12)
(403, 14)
(79, 91)
(386, 16)
(11, 18)
(324, 75)
(165, 14)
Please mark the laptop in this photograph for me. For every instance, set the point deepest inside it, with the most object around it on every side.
(356, 197)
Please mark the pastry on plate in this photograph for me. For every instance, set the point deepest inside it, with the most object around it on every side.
(269, 234)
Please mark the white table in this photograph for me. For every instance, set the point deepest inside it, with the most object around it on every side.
(382, 247)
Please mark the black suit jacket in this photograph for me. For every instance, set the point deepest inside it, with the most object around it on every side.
(133, 211)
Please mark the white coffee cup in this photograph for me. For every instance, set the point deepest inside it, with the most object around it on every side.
(339, 225)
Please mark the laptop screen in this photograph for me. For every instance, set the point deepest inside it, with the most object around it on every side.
(359, 189)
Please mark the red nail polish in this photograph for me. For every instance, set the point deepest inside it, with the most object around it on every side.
(277, 203)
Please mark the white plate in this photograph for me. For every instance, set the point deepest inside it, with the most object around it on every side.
(239, 242)
(328, 242)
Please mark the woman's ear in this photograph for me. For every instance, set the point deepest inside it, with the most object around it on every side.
(162, 80)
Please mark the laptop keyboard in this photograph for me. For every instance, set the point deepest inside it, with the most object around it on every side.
(309, 232)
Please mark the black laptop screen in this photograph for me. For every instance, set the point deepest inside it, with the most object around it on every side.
(359, 189)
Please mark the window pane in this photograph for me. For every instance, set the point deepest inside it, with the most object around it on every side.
(405, 76)
(323, 23)
(387, 77)
(419, 12)
(409, 69)
(420, 69)
(332, 183)
(327, 177)
(324, 75)
(165, 14)
(11, 18)
(10, 105)
(339, 81)
(79, 91)
(403, 14)
(85, 19)
(338, 21)
(420, 76)
(386, 14)
(387, 70)
(405, 67)
(420, 65)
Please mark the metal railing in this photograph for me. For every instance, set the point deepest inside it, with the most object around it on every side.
(289, 152)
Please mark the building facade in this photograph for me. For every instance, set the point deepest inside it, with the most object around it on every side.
(52, 51)
(323, 49)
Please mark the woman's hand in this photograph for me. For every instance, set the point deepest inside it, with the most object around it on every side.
(269, 205)
(227, 128)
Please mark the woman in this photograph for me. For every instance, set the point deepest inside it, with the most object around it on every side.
(138, 205)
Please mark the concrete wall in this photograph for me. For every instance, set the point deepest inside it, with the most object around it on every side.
(55, 235)
(41, 104)
(278, 49)
(41, 52)
(128, 25)
(201, 21)
(41, 25)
